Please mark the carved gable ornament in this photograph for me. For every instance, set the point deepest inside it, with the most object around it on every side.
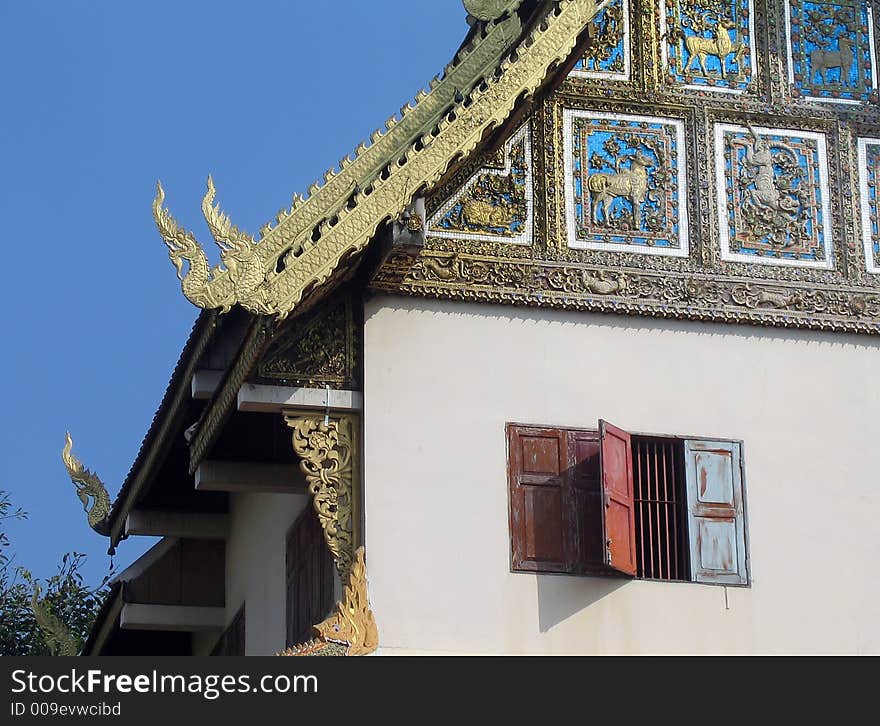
(625, 183)
(495, 203)
(831, 50)
(773, 204)
(710, 44)
(316, 350)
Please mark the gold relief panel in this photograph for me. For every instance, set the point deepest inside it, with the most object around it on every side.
(709, 45)
(609, 55)
(773, 196)
(831, 50)
(496, 203)
(625, 183)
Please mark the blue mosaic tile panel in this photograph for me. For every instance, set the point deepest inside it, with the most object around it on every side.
(831, 50)
(773, 196)
(625, 183)
(609, 54)
(710, 44)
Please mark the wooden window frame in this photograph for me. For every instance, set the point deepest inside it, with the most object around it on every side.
(309, 606)
(582, 566)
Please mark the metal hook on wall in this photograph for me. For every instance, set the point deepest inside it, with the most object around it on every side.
(327, 407)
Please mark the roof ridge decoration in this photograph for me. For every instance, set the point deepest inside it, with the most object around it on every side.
(56, 634)
(490, 9)
(88, 486)
(270, 274)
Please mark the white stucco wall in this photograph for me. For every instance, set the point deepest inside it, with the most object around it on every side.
(255, 566)
(442, 379)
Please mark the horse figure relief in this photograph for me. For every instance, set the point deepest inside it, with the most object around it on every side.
(720, 44)
(630, 184)
(823, 60)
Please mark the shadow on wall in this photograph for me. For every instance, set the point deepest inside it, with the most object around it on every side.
(561, 596)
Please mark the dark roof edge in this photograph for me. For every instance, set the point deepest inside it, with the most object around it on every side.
(175, 394)
(105, 621)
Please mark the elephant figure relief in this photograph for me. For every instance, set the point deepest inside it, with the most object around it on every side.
(630, 184)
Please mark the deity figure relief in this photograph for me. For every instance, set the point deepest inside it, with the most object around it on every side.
(771, 199)
(766, 193)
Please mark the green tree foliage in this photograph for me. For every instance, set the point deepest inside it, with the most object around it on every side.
(64, 595)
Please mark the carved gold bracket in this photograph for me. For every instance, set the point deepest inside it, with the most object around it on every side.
(351, 630)
(327, 452)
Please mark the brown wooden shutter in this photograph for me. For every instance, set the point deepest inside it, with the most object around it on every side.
(618, 522)
(583, 474)
(310, 577)
(541, 511)
(232, 642)
(716, 512)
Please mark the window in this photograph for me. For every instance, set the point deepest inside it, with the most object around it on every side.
(310, 577)
(231, 642)
(605, 501)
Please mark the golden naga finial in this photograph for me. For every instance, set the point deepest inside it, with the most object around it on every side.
(88, 486)
(228, 237)
(351, 630)
(237, 280)
(184, 248)
(55, 634)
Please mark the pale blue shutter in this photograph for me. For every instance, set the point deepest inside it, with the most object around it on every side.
(716, 512)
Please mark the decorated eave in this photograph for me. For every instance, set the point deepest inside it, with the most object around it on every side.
(512, 50)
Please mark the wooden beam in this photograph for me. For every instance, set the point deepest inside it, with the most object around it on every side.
(273, 399)
(187, 618)
(205, 382)
(229, 476)
(146, 560)
(191, 525)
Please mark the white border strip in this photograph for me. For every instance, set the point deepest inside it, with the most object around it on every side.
(871, 260)
(724, 212)
(683, 250)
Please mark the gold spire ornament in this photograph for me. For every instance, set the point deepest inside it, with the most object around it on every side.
(89, 488)
(351, 630)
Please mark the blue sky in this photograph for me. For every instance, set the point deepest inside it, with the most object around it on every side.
(101, 99)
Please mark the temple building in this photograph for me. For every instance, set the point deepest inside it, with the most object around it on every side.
(578, 355)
